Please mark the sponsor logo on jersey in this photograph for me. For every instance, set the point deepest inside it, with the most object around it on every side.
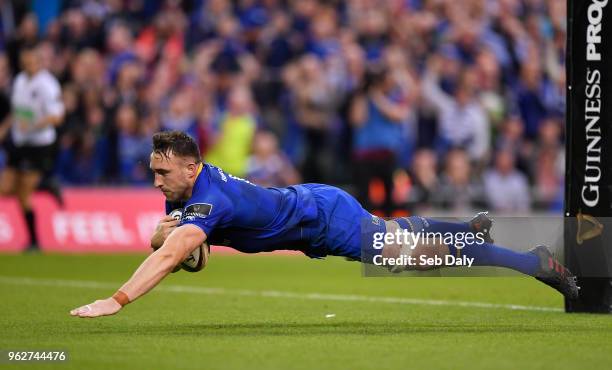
(197, 210)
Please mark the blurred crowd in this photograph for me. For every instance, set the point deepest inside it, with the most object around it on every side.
(410, 104)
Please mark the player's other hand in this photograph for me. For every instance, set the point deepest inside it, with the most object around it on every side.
(101, 307)
(165, 226)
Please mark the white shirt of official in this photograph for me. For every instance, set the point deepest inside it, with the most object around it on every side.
(34, 98)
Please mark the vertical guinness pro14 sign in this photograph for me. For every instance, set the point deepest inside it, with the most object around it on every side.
(588, 190)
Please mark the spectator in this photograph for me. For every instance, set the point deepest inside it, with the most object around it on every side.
(377, 115)
(459, 190)
(203, 21)
(267, 166)
(506, 189)
(548, 185)
(490, 93)
(163, 40)
(133, 146)
(424, 178)
(549, 166)
(235, 131)
(27, 34)
(529, 95)
(180, 115)
(314, 102)
(462, 121)
(119, 44)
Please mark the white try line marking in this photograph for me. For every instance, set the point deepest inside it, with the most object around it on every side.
(272, 294)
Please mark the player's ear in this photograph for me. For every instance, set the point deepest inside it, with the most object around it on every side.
(192, 169)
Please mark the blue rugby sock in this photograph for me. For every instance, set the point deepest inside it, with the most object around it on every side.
(486, 254)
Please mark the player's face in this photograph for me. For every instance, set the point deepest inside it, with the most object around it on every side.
(174, 175)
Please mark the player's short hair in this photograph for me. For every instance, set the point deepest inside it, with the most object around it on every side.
(177, 143)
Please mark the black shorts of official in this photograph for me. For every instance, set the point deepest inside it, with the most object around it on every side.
(39, 158)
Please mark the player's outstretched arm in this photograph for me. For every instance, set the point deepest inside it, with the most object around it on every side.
(182, 241)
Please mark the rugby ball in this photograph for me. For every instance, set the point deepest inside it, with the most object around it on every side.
(197, 259)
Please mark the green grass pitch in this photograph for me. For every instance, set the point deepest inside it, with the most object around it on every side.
(277, 312)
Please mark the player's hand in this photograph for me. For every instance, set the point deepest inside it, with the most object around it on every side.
(101, 307)
(165, 226)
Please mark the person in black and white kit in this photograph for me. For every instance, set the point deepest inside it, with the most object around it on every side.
(37, 109)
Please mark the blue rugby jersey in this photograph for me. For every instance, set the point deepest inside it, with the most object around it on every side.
(247, 217)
